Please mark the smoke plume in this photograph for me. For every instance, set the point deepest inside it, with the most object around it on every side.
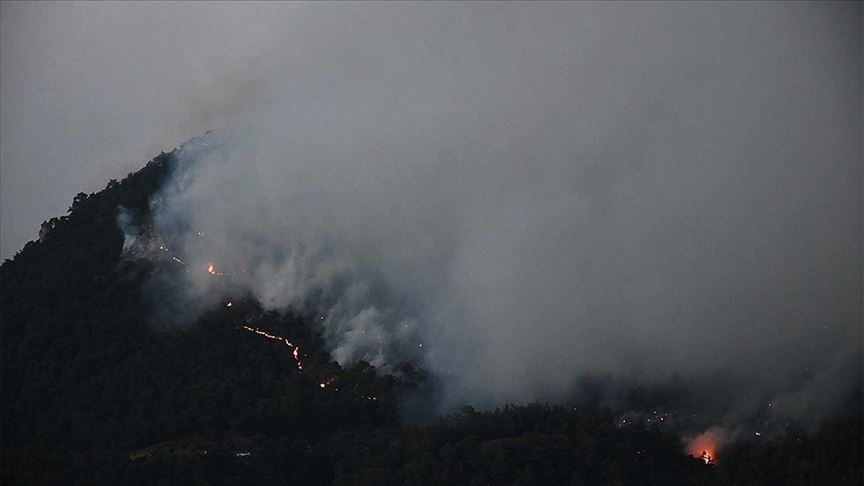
(517, 198)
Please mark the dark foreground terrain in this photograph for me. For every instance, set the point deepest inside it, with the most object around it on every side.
(95, 392)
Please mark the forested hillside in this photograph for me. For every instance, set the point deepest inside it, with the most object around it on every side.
(94, 393)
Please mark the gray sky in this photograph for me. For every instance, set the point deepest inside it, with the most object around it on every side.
(90, 91)
(534, 192)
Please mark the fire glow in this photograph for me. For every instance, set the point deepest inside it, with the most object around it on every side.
(211, 269)
(705, 445)
(326, 382)
(295, 348)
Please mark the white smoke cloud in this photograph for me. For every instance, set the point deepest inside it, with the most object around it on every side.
(522, 196)
(131, 232)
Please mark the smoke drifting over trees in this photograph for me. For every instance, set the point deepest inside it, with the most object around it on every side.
(392, 228)
(522, 197)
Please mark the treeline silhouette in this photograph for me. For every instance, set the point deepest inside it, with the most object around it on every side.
(94, 393)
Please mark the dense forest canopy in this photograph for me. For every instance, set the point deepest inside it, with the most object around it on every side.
(95, 392)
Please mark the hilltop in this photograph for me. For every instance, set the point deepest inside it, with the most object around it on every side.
(95, 392)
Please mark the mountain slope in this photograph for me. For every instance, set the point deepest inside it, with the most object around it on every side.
(94, 393)
(87, 379)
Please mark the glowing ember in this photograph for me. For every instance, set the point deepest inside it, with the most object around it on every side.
(165, 249)
(267, 334)
(229, 304)
(211, 270)
(295, 353)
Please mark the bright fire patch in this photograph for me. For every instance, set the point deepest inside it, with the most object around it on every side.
(705, 445)
(326, 382)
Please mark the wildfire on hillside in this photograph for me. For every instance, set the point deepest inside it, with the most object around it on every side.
(705, 445)
(295, 349)
(211, 269)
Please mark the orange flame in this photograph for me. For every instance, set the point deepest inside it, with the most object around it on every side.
(706, 445)
(295, 353)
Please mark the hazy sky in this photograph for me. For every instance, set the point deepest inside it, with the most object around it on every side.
(533, 191)
(92, 90)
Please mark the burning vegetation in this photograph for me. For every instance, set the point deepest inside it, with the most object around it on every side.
(706, 445)
(212, 270)
(295, 350)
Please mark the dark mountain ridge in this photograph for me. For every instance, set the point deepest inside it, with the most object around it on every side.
(94, 393)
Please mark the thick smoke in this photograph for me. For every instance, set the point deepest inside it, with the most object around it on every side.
(131, 232)
(520, 196)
